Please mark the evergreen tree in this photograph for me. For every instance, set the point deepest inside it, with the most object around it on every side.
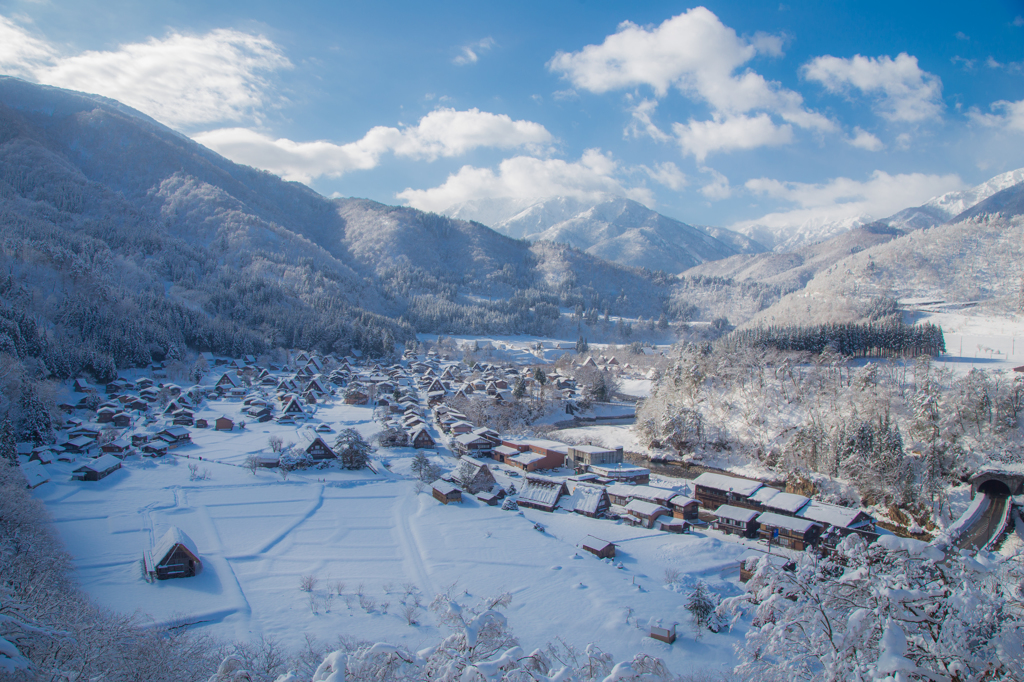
(8, 446)
(582, 346)
(36, 425)
(352, 449)
(519, 390)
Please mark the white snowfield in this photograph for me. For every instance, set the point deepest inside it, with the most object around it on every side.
(258, 535)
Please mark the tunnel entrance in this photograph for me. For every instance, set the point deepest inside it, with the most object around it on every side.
(994, 488)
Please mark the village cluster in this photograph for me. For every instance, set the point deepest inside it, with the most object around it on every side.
(413, 402)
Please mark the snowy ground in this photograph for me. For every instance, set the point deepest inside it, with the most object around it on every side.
(259, 534)
(978, 341)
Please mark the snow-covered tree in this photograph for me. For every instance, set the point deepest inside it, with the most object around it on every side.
(702, 604)
(352, 449)
(8, 444)
(898, 609)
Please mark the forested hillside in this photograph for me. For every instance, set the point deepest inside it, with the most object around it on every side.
(125, 242)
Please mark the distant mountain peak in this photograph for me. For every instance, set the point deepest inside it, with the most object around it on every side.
(613, 228)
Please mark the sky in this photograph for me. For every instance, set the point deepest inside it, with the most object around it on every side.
(726, 113)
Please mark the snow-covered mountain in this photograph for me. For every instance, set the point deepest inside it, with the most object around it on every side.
(124, 239)
(783, 232)
(951, 204)
(615, 229)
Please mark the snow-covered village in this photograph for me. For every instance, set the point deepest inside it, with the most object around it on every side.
(369, 343)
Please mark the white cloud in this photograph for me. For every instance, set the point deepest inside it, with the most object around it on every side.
(471, 53)
(526, 177)
(730, 133)
(902, 90)
(842, 199)
(865, 140)
(698, 55)
(1012, 118)
(441, 133)
(667, 174)
(181, 80)
(718, 188)
(21, 52)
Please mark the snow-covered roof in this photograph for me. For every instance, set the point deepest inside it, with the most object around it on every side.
(740, 486)
(471, 439)
(541, 490)
(592, 543)
(444, 487)
(173, 536)
(35, 473)
(787, 502)
(505, 450)
(792, 523)
(682, 501)
(100, 464)
(646, 508)
(641, 492)
(727, 511)
(833, 514)
(525, 457)
(764, 494)
(591, 449)
(586, 498)
(623, 470)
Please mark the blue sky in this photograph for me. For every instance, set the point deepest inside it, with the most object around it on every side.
(721, 113)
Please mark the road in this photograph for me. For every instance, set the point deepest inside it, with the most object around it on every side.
(979, 534)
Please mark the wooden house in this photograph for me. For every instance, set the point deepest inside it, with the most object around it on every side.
(174, 556)
(837, 521)
(552, 453)
(118, 446)
(79, 444)
(583, 456)
(121, 420)
(475, 476)
(229, 380)
(445, 492)
(646, 513)
(588, 500)
(223, 423)
(105, 415)
(502, 452)
(788, 531)
(624, 494)
(202, 423)
(319, 450)
(96, 469)
(175, 435)
(460, 428)
(599, 548)
(685, 508)
(735, 521)
(541, 492)
(82, 386)
(356, 396)
(155, 448)
(293, 407)
(421, 438)
(621, 473)
(470, 444)
(41, 455)
(715, 490)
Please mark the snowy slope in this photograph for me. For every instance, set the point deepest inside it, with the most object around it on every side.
(615, 229)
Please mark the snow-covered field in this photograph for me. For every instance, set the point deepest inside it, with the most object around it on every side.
(258, 535)
(979, 341)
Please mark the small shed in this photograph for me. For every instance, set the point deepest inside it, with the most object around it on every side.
(598, 547)
(35, 474)
(174, 556)
(201, 423)
(661, 632)
(223, 424)
(96, 469)
(445, 492)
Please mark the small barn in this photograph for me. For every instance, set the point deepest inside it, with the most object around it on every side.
(445, 492)
(684, 507)
(96, 469)
(223, 423)
(599, 548)
(174, 556)
(646, 513)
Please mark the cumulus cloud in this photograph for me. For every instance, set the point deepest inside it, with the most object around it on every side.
(901, 89)
(718, 188)
(181, 80)
(470, 54)
(1011, 118)
(441, 133)
(524, 177)
(843, 199)
(703, 59)
(865, 140)
(730, 133)
(667, 174)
